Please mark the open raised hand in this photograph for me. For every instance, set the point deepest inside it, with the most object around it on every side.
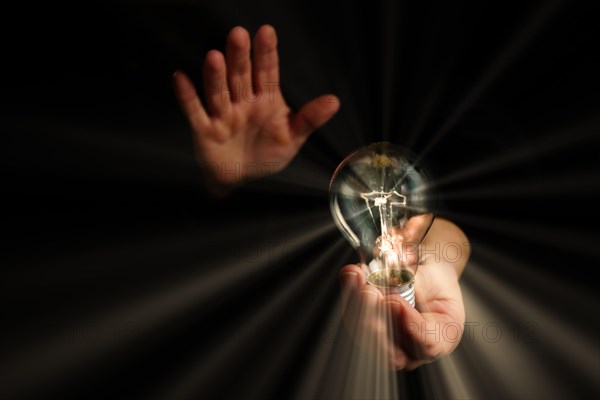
(244, 129)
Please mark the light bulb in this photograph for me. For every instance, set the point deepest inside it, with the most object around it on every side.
(384, 204)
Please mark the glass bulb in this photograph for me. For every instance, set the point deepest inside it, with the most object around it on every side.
(383, 204)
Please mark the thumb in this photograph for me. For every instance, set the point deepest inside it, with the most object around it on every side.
(314, 114)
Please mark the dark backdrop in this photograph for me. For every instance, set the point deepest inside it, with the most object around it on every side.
(104, 207)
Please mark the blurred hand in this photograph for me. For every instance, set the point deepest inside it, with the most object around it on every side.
(387, 324)
(245, 129)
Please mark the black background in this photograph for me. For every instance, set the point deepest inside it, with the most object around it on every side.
(103, 202)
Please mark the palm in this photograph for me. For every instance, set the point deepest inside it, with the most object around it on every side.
(246, 129)
(435, 327)
(252, 138)
(405, 336)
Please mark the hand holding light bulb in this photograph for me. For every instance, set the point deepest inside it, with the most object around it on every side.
(382, 202)
(380, 291)
(229, 131)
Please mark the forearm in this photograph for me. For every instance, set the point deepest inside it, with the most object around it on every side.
(447, 243)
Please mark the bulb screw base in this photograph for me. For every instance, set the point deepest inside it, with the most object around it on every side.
(387, 281)
(407, 291)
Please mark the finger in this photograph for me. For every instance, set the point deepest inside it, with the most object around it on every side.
(351, 282)
(238, 63)
(407, 327)
(371, 332)
(372, 316)
(360, 314)
(188, 100)
(421, 338)
(215, 83)
(314, 114)
(366, 318)
(265, 60)
(406, 335)
(352, 276)
(399, 357)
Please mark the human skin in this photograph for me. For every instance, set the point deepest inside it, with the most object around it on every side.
(244, 129)
(412, 336)
(237, 125)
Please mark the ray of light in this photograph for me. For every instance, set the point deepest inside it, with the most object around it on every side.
(564, 185)
(363, 365)
(359, 364)
(497, 355)
(369, 374)
(327, 369)
(314, 178)
(242, 259)
(224, 353)
(389, 47)
(554, 340)
(496, 359)
(561, 238)
(311, 382)
(115, 145)
(356, 364)
(514, 47)
(425, 111)
(294, 88)
(456, 383)
(437, 85)
(49, 362)
(142, 150)
(272, 372)
(557, 141)
(571, 296)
